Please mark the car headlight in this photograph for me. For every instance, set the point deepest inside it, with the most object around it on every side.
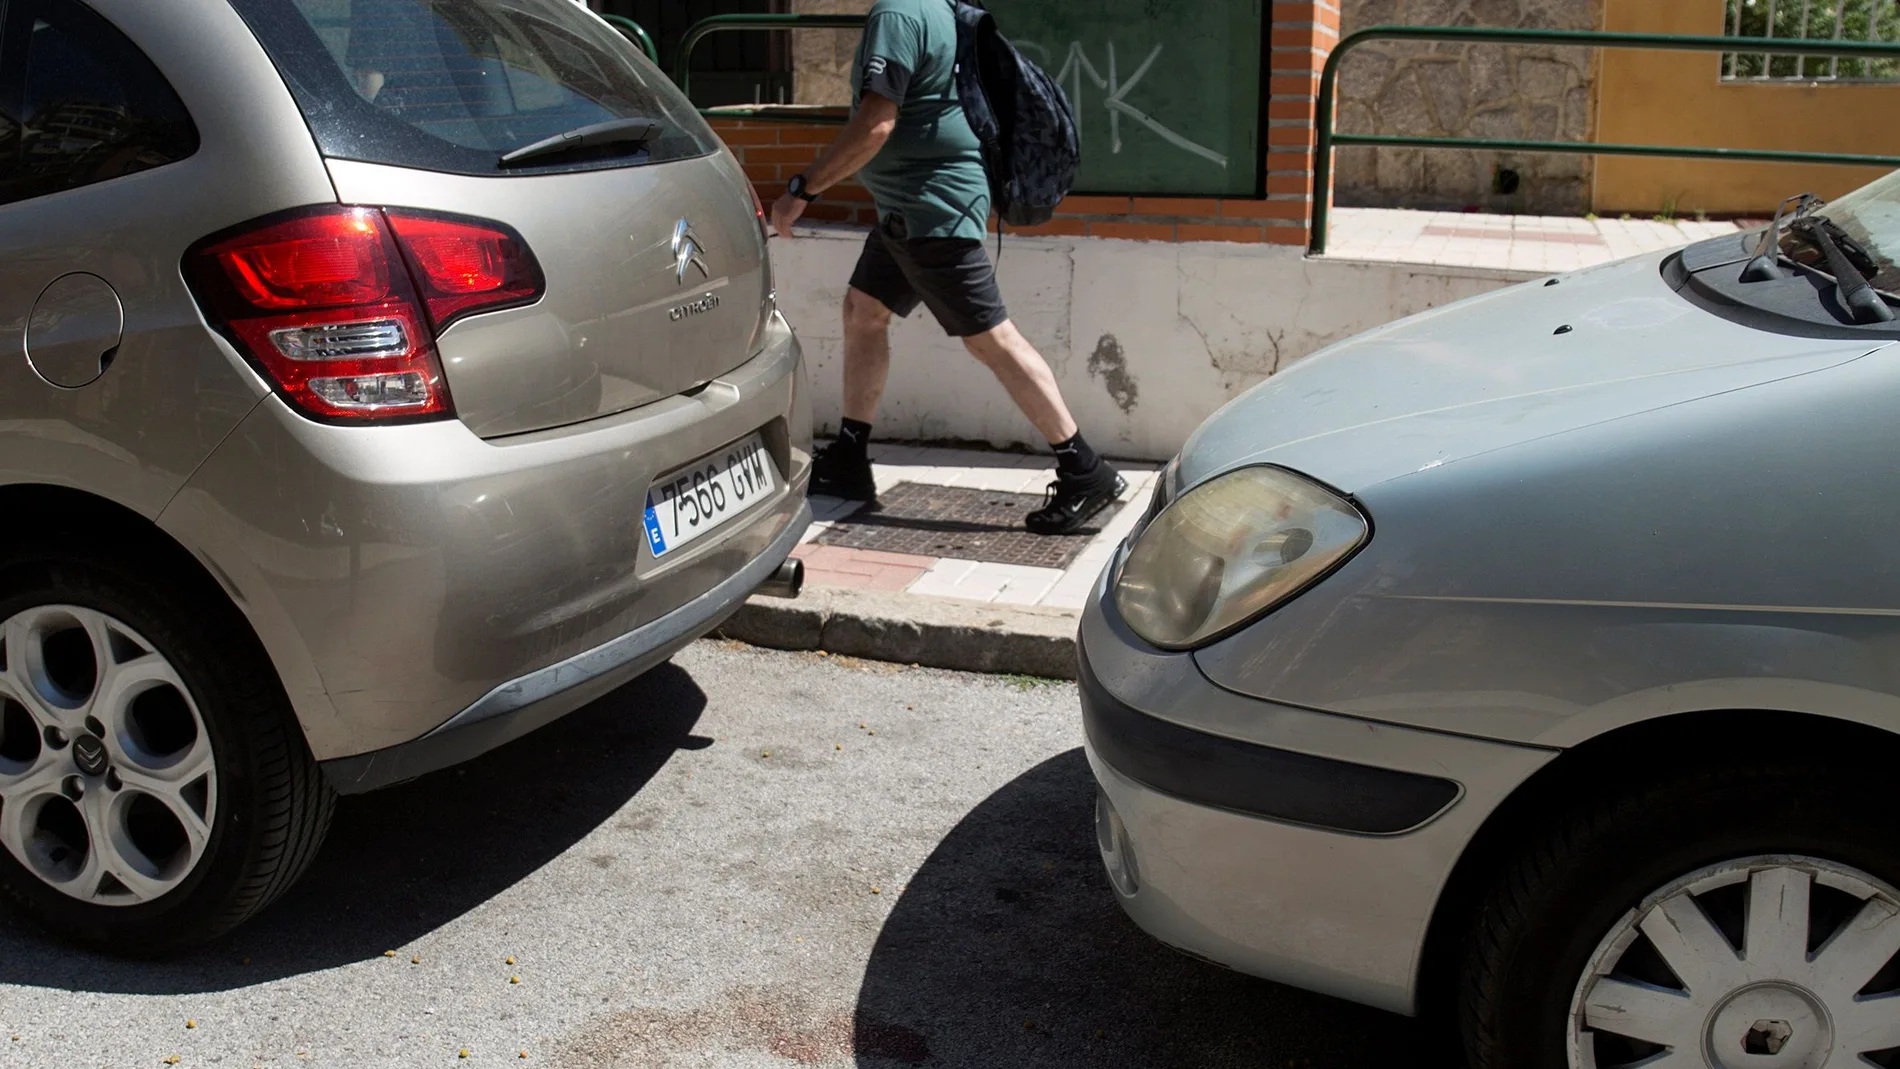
(1231, 549)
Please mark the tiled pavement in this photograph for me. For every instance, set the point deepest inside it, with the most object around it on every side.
(976, 580)
(1513, 242)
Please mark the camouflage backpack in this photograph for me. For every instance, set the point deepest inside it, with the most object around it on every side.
(1021, 117)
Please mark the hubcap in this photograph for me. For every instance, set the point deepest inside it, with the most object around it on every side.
(107, 781)
(1764, 963)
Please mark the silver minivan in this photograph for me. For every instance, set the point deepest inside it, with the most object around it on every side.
(381, 379)
(1531, 664)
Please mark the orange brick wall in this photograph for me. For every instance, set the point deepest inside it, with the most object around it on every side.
(1303, 34)
(774, 151)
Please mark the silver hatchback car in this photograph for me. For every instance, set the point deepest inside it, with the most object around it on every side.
(1536, 661)
(382, 380)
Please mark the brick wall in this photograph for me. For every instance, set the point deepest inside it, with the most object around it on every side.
(1303, 34)
(773, 151)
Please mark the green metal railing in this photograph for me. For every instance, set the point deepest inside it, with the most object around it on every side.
(636, 33)
(1329, 81)
(699, 31)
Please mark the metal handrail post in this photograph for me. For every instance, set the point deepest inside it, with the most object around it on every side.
(637, 32)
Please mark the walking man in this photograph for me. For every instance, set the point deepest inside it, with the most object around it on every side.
(912, 147)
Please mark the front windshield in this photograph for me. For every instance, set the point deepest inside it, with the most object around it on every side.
(1871, 216)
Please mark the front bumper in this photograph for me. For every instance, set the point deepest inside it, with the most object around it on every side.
(1301, 846)
(405, 578)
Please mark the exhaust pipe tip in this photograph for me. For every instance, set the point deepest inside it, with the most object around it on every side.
(787, 582)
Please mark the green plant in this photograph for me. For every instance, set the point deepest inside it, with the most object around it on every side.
(1023, 682)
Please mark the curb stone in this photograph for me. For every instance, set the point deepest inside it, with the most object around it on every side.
(965, 636)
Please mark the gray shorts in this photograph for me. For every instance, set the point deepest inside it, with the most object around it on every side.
(953, 277)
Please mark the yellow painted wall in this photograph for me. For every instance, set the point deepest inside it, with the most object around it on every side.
(1677, 98)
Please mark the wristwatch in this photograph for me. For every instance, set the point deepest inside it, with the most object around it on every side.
(796, 187)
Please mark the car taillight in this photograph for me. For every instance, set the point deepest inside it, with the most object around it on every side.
(758, 210)
(769, 302)
(464, 266)
(340, 306)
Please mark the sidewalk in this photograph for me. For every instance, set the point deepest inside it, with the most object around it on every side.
(1534, 243)
(950, 525)
(942, 572)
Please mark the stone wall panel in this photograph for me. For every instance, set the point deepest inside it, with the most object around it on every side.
(1470, 91)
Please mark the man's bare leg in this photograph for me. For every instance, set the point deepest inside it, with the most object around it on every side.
(867, 354)
(1027, 377)
(843, 469)
(1085, 484)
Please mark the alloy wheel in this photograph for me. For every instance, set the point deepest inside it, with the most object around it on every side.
(1772, 962)
(108, 783)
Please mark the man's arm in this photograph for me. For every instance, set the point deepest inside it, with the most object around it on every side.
(860, 141)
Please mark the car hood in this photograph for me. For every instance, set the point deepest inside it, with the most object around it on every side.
(1494, 371)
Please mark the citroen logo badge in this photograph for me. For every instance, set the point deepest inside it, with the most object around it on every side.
(687, 252)
(90, 755)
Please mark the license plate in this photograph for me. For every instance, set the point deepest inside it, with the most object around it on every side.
(699, 498)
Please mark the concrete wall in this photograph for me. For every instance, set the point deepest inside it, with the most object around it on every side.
(1467, 91)
(1678, 98)
(1146, 338)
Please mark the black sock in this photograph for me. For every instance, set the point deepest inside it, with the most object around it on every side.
(854, 435)
(1074, 457)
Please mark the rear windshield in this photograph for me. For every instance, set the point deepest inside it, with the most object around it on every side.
(451, 85)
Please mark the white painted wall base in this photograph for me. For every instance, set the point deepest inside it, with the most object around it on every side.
(1147, 339)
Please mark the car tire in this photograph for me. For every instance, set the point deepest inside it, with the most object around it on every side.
(1561, 957)
(196, 807)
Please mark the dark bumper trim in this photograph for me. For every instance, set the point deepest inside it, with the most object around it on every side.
(517, 707)
(1255, 780)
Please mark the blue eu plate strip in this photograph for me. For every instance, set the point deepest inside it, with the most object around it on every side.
(655, 537)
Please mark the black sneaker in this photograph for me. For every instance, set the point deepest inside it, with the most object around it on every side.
(837, 472)
(1074, 500)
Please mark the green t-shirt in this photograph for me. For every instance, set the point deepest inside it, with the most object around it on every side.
(931, 170)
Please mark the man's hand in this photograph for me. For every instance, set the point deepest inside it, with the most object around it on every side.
(786, 211)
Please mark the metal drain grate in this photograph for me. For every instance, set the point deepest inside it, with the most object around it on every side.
(954, 521)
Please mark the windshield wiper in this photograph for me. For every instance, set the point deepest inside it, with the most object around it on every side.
(1766, 264)
(613, 132)
(1849, 264)
(1851, 271)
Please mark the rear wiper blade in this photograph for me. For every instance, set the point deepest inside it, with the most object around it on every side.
(612, 132)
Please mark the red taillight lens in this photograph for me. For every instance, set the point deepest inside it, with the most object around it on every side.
(317, 260)
(323, 303)
(758, 209)
(464, 266)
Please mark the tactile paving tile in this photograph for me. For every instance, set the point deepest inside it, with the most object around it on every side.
(955, 521)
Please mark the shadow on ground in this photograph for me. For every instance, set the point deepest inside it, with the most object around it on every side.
(1007, 949)
(402, 862)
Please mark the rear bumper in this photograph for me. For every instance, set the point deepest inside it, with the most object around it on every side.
(1301, 846)
(405, 577)
(521, 705)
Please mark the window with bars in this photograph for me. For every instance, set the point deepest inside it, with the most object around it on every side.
(1820, 20)
(728, 68)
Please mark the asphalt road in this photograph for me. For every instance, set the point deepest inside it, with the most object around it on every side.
(715, 866)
